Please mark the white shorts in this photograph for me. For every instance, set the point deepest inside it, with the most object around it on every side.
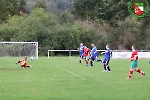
(86, 57)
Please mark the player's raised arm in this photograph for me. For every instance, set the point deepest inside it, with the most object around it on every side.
(106, 51)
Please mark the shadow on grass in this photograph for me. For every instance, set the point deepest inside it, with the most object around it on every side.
(11, 69)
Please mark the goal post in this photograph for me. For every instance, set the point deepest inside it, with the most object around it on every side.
(19, 49)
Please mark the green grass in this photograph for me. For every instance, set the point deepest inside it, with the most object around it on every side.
(61, 78)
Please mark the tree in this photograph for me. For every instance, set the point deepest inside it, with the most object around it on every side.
(66, 17)
(9, 8)
(40, 4)
(128, 32)
(64, 4)
(113, 24)
(51, 31)
(101, 9)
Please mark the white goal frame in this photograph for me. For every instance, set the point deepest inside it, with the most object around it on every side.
(69, 51)
(36, 51)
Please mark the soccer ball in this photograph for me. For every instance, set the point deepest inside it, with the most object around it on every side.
(31, 58)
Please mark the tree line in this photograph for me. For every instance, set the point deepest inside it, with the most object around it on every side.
(52, 31)
(63, 24)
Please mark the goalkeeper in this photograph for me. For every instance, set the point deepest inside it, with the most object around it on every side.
(24, 63)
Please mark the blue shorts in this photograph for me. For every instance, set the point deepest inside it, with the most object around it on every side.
(93, 58)
(105, 61)
(81, 56)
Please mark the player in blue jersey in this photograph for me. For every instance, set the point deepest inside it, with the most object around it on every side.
(81, 52)
(107, 55)
(94, 54)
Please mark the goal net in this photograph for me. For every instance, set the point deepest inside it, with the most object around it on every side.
(19, 49)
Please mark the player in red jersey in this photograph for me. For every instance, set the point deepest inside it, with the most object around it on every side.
(134, 63)
(23, 63)
(86, 54)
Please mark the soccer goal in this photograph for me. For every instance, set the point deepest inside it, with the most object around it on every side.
(19, 49)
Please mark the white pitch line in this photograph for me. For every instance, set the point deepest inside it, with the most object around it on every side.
(69, 72)
(30, 80)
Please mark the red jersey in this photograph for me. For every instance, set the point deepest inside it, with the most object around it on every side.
(133, 55)
(86, 51)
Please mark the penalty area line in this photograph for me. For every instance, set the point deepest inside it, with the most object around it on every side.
(69, 71)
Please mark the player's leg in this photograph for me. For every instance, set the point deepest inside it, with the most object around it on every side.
(86, 60)
(89, 56)
(81, 57)
(29, 66)
(22, 66)
(104, 65)
(91, 60)
(98, 60)
(130, 73)
(107, 66)
(138, 70)
(132, 68)
(94, 58)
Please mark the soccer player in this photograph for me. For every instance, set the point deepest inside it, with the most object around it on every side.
(134, 63)
(86, 54)
(94, 54)
(23, 63)
(81, 52)
(106, 60)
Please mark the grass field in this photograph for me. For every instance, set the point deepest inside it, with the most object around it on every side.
(63, 78)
